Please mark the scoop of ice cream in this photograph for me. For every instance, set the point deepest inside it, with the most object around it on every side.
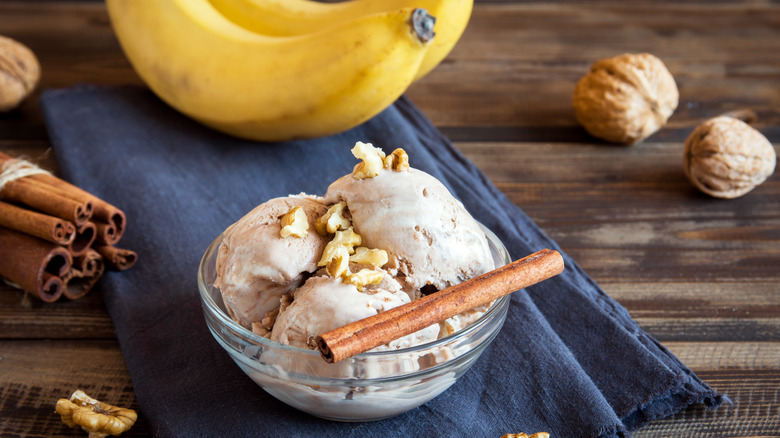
(324, 303)
(428, 234)
(256, 266)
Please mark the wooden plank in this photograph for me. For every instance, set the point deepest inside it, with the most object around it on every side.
(755, 412)
(26, 317)
(732, 356)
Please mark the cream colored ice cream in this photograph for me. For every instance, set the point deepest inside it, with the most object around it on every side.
(324, 303)
(428, 234)
(256, 266)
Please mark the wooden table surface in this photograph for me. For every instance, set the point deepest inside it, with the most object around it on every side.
(700, 274)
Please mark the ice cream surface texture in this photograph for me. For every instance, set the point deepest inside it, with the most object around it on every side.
(256, 266)
(429, 236)
(380, 237)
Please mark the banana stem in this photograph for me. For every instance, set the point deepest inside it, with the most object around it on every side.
(422, 23)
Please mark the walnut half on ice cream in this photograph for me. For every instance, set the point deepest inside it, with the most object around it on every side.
(373, 160)
(625, 99)
(398, 161)
(333, 220)
(295, 223)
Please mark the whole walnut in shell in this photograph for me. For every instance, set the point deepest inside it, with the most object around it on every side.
(726, 158)
(625, 99)
(19, 73)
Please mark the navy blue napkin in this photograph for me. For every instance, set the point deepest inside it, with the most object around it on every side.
(569, 359)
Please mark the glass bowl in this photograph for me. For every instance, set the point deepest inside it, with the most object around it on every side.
(369, 386)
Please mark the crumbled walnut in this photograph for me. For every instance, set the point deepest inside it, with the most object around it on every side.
(347, 238)
(522, 435)
(374, 257)
(338, 265)
(373, 160)
(295, 223)
(333, 220)
(398, 161)
(97, 418)
(364, 277)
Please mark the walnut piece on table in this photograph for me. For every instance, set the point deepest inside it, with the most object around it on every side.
(726, 158)
(625, 99)
(97, 418)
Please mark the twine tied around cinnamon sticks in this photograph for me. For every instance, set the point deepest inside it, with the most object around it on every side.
(55, 238)
(379, 329)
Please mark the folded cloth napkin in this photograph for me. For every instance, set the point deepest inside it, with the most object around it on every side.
(569, 359)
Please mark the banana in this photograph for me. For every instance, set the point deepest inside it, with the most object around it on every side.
(264, 87)
(299, 17)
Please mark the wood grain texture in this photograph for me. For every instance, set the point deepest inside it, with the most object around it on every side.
(701, 275)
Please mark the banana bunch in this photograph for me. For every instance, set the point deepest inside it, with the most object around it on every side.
(274, 70)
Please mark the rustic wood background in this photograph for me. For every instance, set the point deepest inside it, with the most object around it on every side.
(700, 274)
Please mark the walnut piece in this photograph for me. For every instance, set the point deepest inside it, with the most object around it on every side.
(726, 158)
(97, 418)
(522, 435)
(625, 99)
(373, 160)
(338, 265)
(333, 220)
(364, 277)
(397, 161)
(19, 73)
(365, 256)
(295, 223)
(348, 239)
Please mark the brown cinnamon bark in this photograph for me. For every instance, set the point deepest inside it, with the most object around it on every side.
(106, 233)
(33, 265)
(363, 335)
(22, 191)
(85, 236)
(84, 273)
(117, 258)
(36, 224)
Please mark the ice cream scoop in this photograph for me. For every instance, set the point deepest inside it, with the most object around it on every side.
(325, 303)
(256, 266)
(429, 236)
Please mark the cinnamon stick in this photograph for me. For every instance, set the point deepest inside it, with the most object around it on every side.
(106, 233)
(84, 273)
(101, 209)
(117, 258)
(365, 334)
(36, 224)
(33, 265)
(22, 191)
(85, 236)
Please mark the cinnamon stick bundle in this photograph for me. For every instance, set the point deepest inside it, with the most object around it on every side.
(57, 239)
(365, 334)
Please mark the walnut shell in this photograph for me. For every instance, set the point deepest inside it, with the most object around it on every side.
(625, 99)
(726, 158)
(19, 73)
